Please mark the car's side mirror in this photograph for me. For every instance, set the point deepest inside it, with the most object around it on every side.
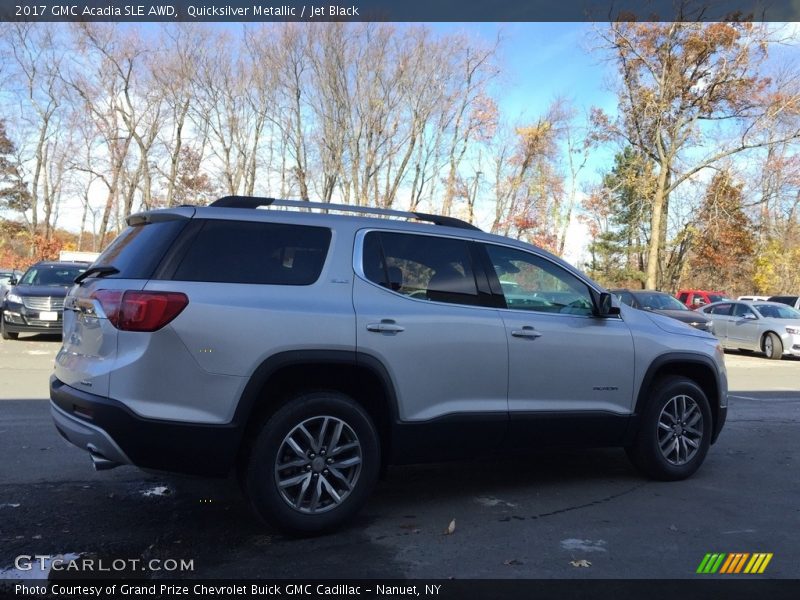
(750, 316)
(12, 280)
(604, 306)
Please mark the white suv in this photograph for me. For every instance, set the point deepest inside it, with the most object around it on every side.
(306, 351)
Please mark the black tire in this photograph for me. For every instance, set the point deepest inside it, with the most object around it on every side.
(7, 335)
(273, 503)
(656, 431)
(772, 346)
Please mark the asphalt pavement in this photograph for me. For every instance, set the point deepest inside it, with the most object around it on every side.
(554, 514)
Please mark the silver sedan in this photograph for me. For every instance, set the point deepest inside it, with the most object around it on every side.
(768, 327)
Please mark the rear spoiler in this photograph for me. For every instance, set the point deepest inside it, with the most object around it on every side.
(156, 216)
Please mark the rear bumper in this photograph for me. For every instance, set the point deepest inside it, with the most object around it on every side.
(119, 435)
(87, 436)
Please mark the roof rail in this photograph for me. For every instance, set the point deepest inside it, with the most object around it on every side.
(255, 202)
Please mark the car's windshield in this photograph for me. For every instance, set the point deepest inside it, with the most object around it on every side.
(56, 275)
(772, 311)
(717, 297)
(659, 301)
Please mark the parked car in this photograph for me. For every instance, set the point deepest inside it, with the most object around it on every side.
(305, 351)
(754, 298)
(769, 327)
(8, 277)
(36, 302)
(793, 301)
(696, 298)
(663, 304)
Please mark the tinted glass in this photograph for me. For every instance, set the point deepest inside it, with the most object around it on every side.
(55, 275)
(772, 311)
(137, 251)
(421, 266)
(683, 297)
(658, 301)
(716, 297)
(538, 284)
(627, 298)
(742, 310)
(790, 300)
(721, 309)
(252, 252)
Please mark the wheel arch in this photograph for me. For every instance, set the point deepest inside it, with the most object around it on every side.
(697, 367)
(361, 376)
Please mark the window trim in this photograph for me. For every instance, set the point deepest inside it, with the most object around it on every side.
(495, 299)
(497, 289)
(484, 295)
(172, 259)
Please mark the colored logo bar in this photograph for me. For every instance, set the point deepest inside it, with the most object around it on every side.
(734, 562)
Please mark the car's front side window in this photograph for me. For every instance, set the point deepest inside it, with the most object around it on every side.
(538, 284)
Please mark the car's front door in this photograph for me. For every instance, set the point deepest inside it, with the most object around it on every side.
(570, 373)
(743, 328)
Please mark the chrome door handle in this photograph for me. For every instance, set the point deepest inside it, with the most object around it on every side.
(526, 332)
(385, 326)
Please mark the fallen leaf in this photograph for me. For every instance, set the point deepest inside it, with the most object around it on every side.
(450, 528)
(513, 562)
(580, 563)
(673, 528)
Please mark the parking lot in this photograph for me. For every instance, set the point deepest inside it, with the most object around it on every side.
(536, 516)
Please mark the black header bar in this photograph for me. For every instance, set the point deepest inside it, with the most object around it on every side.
(398, 10)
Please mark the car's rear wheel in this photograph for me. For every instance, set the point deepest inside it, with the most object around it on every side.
(7, 335)
(772, 346)
(675, 431)
(313, 464)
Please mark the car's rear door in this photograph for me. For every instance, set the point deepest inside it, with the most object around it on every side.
(721, 317)
(419, 312)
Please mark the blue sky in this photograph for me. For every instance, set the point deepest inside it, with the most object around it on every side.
(541, 61)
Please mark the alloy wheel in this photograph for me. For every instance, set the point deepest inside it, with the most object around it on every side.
(680, 429)
(318, 464)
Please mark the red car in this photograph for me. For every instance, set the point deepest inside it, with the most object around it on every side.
(696, 298)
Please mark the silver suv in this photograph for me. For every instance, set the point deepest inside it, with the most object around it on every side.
(306, 351)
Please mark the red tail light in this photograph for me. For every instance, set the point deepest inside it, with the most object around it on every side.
(140, 311)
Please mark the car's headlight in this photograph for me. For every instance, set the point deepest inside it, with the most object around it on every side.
(793, 330)
(14, 298)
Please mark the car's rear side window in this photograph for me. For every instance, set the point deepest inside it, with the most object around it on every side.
(421, 266)
(720, 309)
(137, 251)
(255, 252)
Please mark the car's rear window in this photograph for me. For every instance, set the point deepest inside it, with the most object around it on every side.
(255, 252)
(137, 251)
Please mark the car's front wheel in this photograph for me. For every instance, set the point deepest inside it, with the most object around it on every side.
(313, 464)
(773, 347)
(7, 335)
(675, 431)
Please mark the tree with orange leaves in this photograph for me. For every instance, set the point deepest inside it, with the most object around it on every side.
(691, 95)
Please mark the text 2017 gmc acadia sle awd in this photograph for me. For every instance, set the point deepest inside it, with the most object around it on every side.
(307, 350)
